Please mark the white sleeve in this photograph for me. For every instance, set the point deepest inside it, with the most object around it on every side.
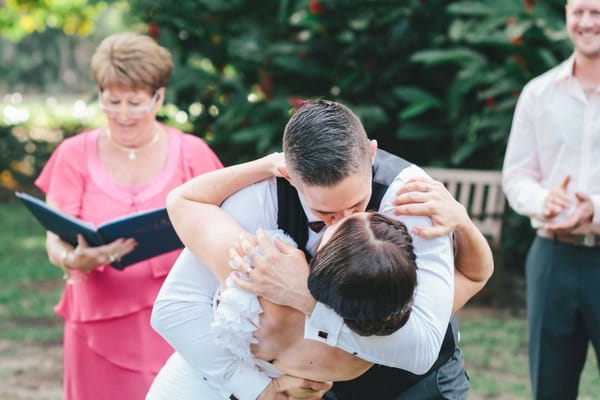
(521, 173)
(415, 347)
(183, 310)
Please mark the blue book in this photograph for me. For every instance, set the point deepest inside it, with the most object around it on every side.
(151, 229)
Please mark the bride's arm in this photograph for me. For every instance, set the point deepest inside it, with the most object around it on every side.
(204, 228)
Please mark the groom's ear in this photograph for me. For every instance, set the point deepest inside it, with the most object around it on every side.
(284, 173)
(373, 148)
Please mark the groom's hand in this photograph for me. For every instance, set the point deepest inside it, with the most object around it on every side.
(277, 271)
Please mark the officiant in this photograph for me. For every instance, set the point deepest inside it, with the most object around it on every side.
(128, 165)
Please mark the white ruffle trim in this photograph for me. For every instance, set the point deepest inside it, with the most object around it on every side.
(236, 319)
(236, 313)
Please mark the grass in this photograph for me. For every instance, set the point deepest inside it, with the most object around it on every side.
(495, 352)
(30, 284)
(494, 344)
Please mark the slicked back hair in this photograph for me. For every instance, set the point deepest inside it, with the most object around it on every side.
(324, 142)
(367, 274)
(132, 60)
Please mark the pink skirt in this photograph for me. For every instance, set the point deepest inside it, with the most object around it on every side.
(112, 359)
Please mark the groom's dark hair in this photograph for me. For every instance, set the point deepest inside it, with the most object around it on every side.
(325, 142)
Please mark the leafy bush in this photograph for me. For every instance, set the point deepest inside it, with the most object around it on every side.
(29, 133)
(490, 51)
(435, 81)
(247, 65)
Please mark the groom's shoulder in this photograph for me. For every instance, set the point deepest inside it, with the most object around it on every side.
(388, 167)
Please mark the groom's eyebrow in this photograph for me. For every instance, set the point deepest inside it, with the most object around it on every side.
(352, 206)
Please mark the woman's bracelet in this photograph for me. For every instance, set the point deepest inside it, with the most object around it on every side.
(67, 271)
(63, 266)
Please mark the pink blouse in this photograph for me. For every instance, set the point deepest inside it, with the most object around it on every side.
(77, 182)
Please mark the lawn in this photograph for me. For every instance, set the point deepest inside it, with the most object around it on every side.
(30, 284)
(495, 352)
(494, 342)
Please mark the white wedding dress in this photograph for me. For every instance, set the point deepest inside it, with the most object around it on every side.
(236, 317)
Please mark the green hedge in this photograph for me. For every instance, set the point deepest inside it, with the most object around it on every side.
(434, 81)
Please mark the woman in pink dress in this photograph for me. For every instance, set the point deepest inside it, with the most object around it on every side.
(130, 165)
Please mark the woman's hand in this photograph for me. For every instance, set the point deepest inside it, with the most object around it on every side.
(427, 197)
(86, 258)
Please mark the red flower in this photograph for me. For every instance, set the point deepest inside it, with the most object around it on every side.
(153, 30)
(490, 102)
(266, 85)
(297, 102)
(519, 60)
(315, 7)
(517, 40)
(215, 39)
(529, 5)
(511, 21)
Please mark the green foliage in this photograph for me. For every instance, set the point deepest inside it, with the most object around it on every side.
(274, 54)
(434, 81)
(19, 18)
(51, 53)
(490, 51)
(29, 133)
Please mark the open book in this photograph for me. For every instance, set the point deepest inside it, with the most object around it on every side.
(151, 229)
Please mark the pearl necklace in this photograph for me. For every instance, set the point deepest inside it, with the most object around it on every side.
(132, 150)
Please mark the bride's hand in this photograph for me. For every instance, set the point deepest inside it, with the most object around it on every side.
(301, 389)
(427, 197)
(276, 163)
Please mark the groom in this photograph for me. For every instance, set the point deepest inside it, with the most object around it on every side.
(329, 175)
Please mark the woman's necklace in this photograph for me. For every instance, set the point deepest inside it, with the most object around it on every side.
(132, 150)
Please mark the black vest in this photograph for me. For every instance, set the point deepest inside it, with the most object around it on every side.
(379, 382)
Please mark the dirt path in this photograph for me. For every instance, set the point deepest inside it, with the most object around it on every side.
(30, 371)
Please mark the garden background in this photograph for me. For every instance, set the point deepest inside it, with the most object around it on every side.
(434, 81)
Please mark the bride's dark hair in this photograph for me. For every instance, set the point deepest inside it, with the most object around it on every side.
(366, 273)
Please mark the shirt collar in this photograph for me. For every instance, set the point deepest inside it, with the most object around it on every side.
(565, 69)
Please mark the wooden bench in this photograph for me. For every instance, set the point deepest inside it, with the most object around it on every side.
(480, 191)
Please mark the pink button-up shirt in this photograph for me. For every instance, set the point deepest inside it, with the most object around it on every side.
(555, 133)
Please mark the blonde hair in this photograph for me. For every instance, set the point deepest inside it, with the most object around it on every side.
(132, 60)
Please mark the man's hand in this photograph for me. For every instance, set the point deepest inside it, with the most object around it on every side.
(427, 197)
(289, 387)
(557, 200)
(582, 215)
(278, 272)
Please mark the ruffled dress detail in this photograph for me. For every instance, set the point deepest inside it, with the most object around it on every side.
(236, 317)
